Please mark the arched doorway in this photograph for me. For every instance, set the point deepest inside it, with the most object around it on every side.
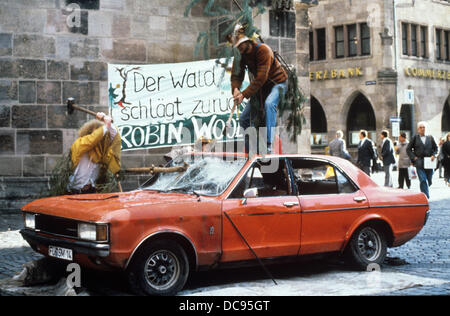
(445, 123)
(360, 116)
(319, 130)
(406, 125)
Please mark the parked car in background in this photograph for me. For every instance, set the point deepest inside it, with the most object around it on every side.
(226, 209)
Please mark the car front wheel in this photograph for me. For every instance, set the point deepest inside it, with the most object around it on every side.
(367, 246)
(162, 268)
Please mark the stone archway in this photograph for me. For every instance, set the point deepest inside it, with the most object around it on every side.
(445, 120)
(360, 115)
(319, 129)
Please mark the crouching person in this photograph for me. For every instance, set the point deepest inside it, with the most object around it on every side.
(94, 153)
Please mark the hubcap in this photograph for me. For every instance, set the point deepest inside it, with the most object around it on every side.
(369, 244)
(162, 269)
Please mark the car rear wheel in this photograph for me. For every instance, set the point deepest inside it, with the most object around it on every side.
(367, 246)
(162, 268)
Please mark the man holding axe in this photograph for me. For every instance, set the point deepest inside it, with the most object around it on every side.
(268, 83)
(94, 152)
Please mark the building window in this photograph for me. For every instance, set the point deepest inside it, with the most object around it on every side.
(414, 40)
(352, 40)
(423, 41)
(365, 39)
(317, 44)
(405, 31)
(438, 44)
(339, 37)
(282, 23)
(444, 44)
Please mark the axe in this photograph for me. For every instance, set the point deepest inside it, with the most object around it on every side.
(72, 107)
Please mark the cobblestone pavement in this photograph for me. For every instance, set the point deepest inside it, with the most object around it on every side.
(427, 255)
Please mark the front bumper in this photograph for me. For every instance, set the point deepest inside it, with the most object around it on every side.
(83, 247)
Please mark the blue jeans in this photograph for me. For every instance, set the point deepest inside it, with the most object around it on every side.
(270, 105)
(425, 178)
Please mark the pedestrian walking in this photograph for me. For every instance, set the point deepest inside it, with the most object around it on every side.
(446, 159)
(440, 158)
(421, 147)
(403, 161)
(338, 148)
(365, 152)
(387, 156)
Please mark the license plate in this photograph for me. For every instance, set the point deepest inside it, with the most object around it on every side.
(61, 253)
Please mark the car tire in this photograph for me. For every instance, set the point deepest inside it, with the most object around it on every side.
(160, 269)
(367, 246)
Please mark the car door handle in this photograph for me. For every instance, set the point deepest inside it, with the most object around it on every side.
(359, 198)
(290, 204)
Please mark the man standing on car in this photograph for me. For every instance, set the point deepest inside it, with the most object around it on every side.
(269, 81)
(422, 146)
(387, 155)
(365, 152)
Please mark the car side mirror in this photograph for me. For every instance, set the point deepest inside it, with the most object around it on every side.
(249, 193)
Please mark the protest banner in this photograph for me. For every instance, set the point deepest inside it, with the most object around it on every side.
(163, 105)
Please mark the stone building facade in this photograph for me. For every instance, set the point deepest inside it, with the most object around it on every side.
(54, 49)
(369, 58)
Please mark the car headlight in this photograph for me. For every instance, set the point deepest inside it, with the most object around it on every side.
(30, 220)
(94, 232)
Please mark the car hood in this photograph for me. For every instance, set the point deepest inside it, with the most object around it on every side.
(95, 207)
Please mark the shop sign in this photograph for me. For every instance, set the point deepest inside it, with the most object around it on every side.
(335, 74)
(427, 73)
(395, 121)
(408, 96)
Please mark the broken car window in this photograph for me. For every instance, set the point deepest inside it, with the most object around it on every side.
(206, 175)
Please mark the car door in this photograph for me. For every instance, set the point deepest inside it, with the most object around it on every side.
(269, 222)
(330, 202)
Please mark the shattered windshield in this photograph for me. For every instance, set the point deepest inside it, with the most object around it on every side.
(208, 175)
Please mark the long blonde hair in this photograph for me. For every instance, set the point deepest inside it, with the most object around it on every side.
(89, 127)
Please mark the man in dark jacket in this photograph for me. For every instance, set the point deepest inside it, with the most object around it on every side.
(422, 146)
(365, 152)
(387, 155)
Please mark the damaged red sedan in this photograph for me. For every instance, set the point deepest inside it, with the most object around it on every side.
(226, 209)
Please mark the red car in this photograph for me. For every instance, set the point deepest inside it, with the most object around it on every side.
(227, 209)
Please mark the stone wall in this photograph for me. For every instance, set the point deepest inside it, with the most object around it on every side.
(44, 60)
(54, 49)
